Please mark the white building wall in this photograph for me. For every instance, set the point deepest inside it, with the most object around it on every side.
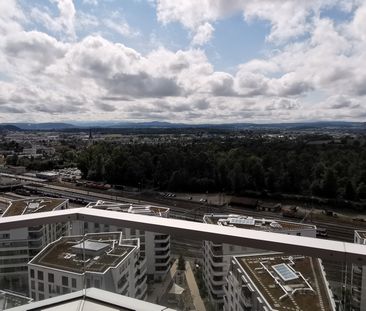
(19, 246)
(216, 263)
(358, 281)
(46, 282)
(149, 245)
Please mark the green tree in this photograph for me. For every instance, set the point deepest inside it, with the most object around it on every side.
(330, 186)
(181, 263)
(350, 193)
(361, 191)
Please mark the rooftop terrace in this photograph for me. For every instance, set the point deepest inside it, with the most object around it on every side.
(130, 208)
(288, 282)
(33, 205)
(262, 224)
(95, 253)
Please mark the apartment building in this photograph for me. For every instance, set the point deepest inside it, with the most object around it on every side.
(19, 246)
(102, 260)
(358, 278)
(274, 281)
(155, 247)
(216, 257)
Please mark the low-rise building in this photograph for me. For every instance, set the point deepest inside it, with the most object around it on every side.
(104, 260)
(216, 257)
(19, 246)
(10, 299)
(358, 279)
(155, 247)
(274, 281)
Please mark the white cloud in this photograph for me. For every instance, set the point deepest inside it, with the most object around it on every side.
(288, 18)
(64, 23)
(203, 34)
(318, 76)
(121, 27)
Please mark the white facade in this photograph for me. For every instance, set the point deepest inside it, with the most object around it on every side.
(19, 246)
(254, 283)
(103, 260)
(154, 247)
(358, 281)
(216, 257)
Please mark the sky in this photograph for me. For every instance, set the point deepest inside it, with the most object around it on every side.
(207, 61)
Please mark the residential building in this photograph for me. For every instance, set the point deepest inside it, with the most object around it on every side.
(274, 281)
(344, 252)
(19, 246)
(101, 260)
(358, 279)
(216, 257)
(155, 247)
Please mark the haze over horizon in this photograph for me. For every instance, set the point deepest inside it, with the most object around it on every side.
(215, 61)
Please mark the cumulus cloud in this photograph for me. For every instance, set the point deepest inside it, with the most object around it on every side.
(288, 18)
(64, 23)
(203, 34)
(320, 74)
(32, 50)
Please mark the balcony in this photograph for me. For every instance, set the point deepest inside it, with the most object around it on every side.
(162, 246)
(325, 249)
(162, 238)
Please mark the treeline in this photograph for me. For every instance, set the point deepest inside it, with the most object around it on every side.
(272, 166)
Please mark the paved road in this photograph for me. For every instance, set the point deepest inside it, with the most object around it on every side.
(193, 288)
(161, 288)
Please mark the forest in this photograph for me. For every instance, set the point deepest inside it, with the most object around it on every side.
(335, 170)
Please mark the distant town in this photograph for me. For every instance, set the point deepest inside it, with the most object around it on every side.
(232, 182)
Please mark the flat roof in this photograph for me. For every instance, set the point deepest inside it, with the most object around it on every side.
(130, 208)
(10, 300)
(90, 300)
(262, 224)
(32, 205)
(288, 282)
(102, 251)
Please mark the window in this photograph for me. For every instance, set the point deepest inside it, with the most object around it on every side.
(32, 273)
(73, 283)
(41, 296)
(40, 275)
(33, 284)
(41, 287)
(65, 281)
(51, 278)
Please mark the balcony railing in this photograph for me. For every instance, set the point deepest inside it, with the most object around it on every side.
(326, 249)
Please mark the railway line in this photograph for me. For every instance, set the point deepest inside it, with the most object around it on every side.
(194, 211)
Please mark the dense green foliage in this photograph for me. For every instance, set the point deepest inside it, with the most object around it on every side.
(271, 165)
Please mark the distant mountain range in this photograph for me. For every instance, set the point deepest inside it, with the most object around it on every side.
(168, 125)
(40, 126)
(8, 127)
